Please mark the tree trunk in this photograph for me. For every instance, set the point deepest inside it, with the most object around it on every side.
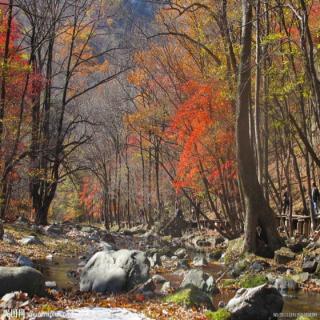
(258, 212)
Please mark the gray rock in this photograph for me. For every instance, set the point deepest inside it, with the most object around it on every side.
(261, 303)
(259, 266)
(181, 253)
(309, 266)
(24, 261)
(53, 229)
(36, 229)
(199, 279)
(284, 255)
(114, 271)
(286, 284)
(166, 287)
(138, 230)
(183, 264)
(157, 278)
(50, 284)
(155, 260)
(30, 240)
(200, 261)
(94, 236)
(87, 229)
(201, 241)
(8, 238)
(24, 279)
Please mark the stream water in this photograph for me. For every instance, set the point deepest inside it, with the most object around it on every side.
(61, 270)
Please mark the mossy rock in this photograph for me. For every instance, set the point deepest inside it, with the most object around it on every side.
(251, 281)
(190, 297)
(284, 255)
(221, 314)
(234, 250)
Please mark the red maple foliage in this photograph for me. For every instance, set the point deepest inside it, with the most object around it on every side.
(203, 127)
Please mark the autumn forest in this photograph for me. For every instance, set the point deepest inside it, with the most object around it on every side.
(145, 125)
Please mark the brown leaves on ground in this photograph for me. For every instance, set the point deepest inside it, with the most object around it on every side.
(36, 252)
(153, 308)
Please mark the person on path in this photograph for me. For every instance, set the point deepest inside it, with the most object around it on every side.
(286, 203)
(315, 198)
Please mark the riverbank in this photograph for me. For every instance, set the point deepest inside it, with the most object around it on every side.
(60, 252)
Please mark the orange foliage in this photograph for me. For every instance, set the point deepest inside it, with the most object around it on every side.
(203, 126)
(90, 197)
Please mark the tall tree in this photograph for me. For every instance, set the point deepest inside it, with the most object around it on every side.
(258, 211)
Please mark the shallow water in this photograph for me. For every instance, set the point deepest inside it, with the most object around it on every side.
(295, 304)
(57, 270)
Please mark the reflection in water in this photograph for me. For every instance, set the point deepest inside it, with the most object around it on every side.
(61, 270)
(302, 302)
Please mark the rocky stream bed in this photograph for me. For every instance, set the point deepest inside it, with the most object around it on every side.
(87, 272)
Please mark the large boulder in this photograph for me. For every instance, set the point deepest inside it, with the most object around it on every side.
(199, 279)
(262, 302)
(114, 271)
(24, 279)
